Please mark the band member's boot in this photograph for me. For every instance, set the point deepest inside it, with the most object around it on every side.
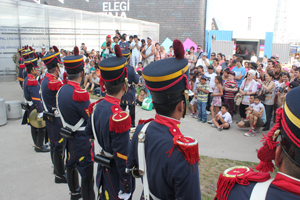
(73, 183)
(87, 184)
(39, 147)
(59, 166)
(34, 132)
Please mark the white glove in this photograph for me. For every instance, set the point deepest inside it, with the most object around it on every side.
(40, 115)
(124, 196)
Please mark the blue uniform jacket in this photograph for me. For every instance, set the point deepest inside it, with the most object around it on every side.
(50, 86)
(133, 78)
(281, 188)
(21, 75)
(115, 178)
(168, 177)
(31, 93)
(74, 106)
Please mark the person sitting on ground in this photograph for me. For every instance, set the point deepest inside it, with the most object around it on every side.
(88, 77)
(223, 119)
(256, 106)
(202, 94)
(262, 119)
(140, 67)
(94, 82)
(141, 96)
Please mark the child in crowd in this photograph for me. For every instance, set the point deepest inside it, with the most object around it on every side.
(141, 96)
(223, 119)
(140, 67)
(94, 82)
(256, 106)
(141, 83)
(87, 67)
(230, 88)
(202, 93)
(216, 95)
(211, 82)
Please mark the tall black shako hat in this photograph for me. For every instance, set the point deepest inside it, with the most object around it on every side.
(113, 70)
(168, 78)
(126, 53)
(27, 53)
(53, 59)
(75, 63)
(31, 63)
(288, 125)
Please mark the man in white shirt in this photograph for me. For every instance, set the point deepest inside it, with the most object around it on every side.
(203, 61)
(135, 46)
(148, 52)
(211, 82)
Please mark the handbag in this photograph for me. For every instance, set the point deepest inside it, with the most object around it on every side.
(106, 51)
(147, 104)
(238, 99)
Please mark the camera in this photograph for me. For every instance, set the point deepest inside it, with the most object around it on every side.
(108, 44)
(281, 90)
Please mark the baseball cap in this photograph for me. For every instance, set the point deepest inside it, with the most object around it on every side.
(204, 54)
(108, 36)
(204, 77)
(149, 38)
(232, 73)
(276, 55)
(292, 84)
(210, 67)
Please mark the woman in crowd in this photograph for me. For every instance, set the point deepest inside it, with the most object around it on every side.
(161, 54)
(278, 84)
(225, 75)
(247, 88)
(192, 58)
(268, 90)
(88, 77)
(277, 71)
(246, 64)
(286, 77)
(170, 53)
(260, 71)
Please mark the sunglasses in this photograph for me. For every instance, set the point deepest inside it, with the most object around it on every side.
(212, 55)
(198, 48)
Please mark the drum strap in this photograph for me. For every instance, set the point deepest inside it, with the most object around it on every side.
(95, 136)
(260, 190)
(142, 162)
(45, 107)
(77, 126)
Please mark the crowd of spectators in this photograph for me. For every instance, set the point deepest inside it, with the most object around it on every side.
(252, 89)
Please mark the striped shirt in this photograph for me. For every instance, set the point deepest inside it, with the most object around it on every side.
(231, 85)
(202, 96)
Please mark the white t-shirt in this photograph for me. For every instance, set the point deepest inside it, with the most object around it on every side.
(97, 79)
(227, 117)
(278, 85)
(200, 61)
(87, 68)
(195, 84)
(135, 50)
(211, 80)
(257, 107)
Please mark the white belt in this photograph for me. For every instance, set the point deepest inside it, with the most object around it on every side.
(142, 162)
(94, 133)
(77, 126)
(260, 190)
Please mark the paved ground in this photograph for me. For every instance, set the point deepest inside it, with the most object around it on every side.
(27, 175)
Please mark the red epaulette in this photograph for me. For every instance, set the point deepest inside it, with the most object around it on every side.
(54, 84)
(238, 174)
(21, 66)
(120, 121)
(32, 82)
(81, 95)
(93, 105)
(145, 121)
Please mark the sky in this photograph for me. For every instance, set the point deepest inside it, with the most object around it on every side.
(233, 15)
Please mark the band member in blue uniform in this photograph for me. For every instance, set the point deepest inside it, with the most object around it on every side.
(50, 85)
(72, 104)
(129, 97)
(26, 54)
(110, 125)
(281, 144)
(33, 98)
(166, 160)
